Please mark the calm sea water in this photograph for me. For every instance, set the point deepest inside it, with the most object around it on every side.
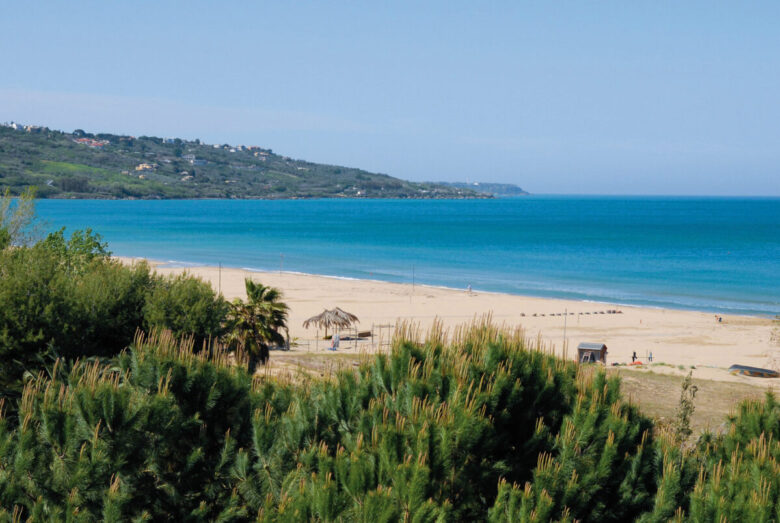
(715, 254)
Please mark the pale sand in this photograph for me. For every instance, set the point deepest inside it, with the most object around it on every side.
(676, 338)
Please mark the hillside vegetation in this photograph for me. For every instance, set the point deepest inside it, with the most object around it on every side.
(84, 165)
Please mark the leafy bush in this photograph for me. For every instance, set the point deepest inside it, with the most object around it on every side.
(5, 238)
(187, 306)
(17, 216)
(65, 298)
(78, 251)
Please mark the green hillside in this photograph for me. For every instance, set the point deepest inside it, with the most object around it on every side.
(85, 165)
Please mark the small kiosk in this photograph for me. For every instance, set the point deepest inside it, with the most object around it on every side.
(592, 353)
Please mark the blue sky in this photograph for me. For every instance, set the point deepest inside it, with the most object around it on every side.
(558, 97)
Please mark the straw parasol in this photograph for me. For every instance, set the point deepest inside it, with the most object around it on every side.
(332, 318)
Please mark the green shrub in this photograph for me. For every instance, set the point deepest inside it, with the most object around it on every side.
(5, 238)
(76, 252)
(76, 304)
(187, 306)
(103, 309)
(17, 218)
(66, 298)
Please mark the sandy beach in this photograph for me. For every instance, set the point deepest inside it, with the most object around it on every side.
(678, 340)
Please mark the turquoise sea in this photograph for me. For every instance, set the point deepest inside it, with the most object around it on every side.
(713, 254)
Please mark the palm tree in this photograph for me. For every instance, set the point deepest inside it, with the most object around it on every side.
(256, 324)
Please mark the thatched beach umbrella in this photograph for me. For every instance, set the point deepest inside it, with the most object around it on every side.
(332, 318)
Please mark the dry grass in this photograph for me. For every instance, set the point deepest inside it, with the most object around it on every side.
(308, 364)
(658, 395)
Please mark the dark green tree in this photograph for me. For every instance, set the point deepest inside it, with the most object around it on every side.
(153, 437)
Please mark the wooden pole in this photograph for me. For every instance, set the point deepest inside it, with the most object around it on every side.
(410, 296)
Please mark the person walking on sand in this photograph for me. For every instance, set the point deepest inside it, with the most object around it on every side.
(468, 289)
(633, 357)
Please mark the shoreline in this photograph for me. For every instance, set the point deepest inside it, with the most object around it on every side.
(679, 340)
(184, 265)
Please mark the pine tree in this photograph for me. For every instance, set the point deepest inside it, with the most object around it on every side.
(739, 476)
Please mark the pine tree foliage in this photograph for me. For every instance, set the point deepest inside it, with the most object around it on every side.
(676, 470)
(731, 476)
(153, 436)
(597, 468)
(482, 425)
(739, 475)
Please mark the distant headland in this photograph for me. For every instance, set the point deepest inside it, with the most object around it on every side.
(498, 190)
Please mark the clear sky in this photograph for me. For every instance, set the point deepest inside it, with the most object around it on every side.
(559, 97)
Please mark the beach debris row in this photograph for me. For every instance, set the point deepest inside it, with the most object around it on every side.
(538, 315)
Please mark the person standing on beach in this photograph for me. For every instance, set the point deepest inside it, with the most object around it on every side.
(633, 357)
